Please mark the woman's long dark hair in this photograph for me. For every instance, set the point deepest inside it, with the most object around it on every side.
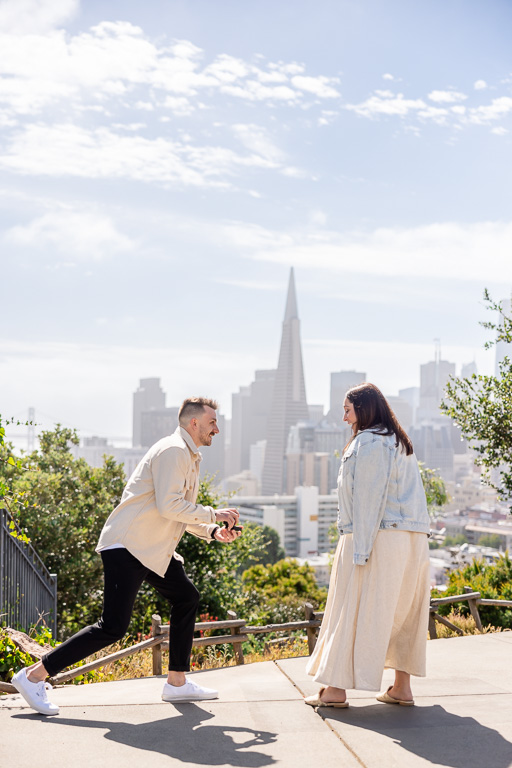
(374, 412)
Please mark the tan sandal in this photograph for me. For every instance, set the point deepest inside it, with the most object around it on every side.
(317, 701)
(387, 699)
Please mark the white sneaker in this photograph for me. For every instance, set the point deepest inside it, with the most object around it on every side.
(188, 692)
(34, 693)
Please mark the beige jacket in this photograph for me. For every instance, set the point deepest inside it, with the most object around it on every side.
(158, 504)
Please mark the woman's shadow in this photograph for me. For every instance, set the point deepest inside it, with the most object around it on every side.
(184, 738)
(439, 736)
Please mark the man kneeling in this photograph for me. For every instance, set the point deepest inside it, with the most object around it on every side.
(138, 544)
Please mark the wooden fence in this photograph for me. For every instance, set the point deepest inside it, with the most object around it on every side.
(472, 598)
(240, 631)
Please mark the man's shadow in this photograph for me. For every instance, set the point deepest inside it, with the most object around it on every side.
(183, 738)
(433, 733)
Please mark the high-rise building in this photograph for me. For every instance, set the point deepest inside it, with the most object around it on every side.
(433, 446)
(213, 462)
(402, 410)
(289, 403)
(148, 397)
(412, 396)
(433, 380)
(156, 424)
(303, 519)
(468, 370)
(341, 382)
(250, 412)
(307, 469)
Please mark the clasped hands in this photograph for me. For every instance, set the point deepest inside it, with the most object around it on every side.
(231, 517)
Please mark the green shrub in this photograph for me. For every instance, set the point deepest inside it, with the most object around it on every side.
(493, 581)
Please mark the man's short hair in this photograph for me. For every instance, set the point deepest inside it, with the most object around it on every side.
(193, 407)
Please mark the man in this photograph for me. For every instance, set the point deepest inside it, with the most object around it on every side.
(138, 544)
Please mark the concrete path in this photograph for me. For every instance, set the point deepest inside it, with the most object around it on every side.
(463, 719)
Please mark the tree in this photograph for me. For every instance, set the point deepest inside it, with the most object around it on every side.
(61, 505)
(277, 593)
(455, 541)
(482, 407)
(269, 552)
(434, 486)
(493, 581)
(493, 540)
(8, 498)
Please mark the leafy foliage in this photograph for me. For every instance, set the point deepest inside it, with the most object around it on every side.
(215, 568)
(8, 463)
(277, 593)
(62, 503)
(482, 408)
(13, 658)
(435, 489)
(493, 540)
(493, 581)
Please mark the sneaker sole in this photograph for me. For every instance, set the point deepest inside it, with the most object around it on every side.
(32, 706)
(178, 699)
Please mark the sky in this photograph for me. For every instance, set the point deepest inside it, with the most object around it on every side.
(164, 164)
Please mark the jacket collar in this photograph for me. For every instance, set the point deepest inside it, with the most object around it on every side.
(190, 443)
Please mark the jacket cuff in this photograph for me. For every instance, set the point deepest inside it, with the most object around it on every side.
(361, 559)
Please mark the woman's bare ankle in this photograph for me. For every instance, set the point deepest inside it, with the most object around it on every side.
(331, 694)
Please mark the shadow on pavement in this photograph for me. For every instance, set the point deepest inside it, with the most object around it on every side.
(183, 738)
(430, 732)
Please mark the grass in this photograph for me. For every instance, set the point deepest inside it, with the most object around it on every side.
(466, 624)
(209, 657)
(217, 656)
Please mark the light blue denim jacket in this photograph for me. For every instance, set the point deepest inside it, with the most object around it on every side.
(379, 487)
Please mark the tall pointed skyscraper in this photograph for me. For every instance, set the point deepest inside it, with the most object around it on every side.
(289, 400)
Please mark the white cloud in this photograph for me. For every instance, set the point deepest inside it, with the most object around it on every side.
(252, 285)
(319, 86)
(22, 17)
(480, 85)
(499, 131)
(257, 139)
(227, 69)
(116, 59)
(67, 150)
(436, 114)
(446, 97)
(442, 250)
(318, 218)
(497, 109)
(387, 76)
(79, 234)
(377, 105)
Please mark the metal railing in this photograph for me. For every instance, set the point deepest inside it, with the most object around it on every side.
(28, 592)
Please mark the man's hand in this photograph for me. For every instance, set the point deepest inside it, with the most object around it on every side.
(230, 516)
(225, 535)
(227, 518)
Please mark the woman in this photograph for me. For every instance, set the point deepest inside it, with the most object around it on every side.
(376, 615)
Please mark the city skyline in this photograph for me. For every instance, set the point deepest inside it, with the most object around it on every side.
(163, 166)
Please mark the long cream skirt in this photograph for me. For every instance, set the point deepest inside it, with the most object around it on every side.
(376, 615)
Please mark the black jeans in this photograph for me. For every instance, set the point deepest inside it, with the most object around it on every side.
(124, 575)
